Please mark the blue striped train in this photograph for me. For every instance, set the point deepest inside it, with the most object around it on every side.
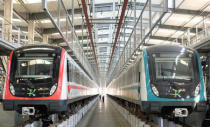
(164, 79)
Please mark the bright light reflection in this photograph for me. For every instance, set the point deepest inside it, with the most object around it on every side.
(102, 91)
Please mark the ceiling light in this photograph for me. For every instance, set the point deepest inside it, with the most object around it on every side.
(16, 20)
(37, 1)
(61, 20)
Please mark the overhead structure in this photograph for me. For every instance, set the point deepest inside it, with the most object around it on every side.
(118, 30)
(72, 42)
(89, 29)
(105, 37)
(191, 29)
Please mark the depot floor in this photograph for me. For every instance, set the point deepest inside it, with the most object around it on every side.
(10, 118)
(103, 114)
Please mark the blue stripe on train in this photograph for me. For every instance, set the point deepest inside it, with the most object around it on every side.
(202, 92)
(152, 97)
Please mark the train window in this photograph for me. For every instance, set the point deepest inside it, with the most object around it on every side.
(82, 78)
(68, 70)
(77, 77)
(71, 72)
(139, 70)
(69, 65)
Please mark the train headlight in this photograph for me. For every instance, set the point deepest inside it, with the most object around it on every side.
(155, 91)
(53, 88)
(197, 90)
(12, 89)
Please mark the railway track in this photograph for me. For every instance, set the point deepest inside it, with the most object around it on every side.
(70, 120)
(138, 119)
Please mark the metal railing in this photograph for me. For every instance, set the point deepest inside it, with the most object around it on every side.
(195, 35)
(128, 21)
(67, 32)
(148, 20)
(18, 37)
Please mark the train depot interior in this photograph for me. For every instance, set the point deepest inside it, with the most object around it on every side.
(104, 63)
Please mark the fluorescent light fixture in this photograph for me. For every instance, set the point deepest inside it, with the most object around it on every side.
(16, 20)
(32, 1)
(166, 31)
(179, 18)
(16, 31)
(69, 32)
(207, 21)
(37, 1)
(61, 20)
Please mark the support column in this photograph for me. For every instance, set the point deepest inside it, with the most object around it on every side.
(31, 31)
(45, 38)
(8, 14)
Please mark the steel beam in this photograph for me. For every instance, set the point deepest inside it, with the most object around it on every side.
(77, 27)
(43, 15)
(180, 28)
(60, 40)
(118, 31)
(98, 8)
(190, 12)
(166, 38)
(89, 28)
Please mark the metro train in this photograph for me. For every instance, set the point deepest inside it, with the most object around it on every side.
(164, 79)
(44, 78)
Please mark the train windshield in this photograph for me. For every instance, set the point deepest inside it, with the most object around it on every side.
(37, 67)
(173, 66)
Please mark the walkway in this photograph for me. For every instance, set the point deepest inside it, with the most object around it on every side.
(103, 115)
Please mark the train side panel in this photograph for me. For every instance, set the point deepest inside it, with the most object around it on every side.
(143, 92)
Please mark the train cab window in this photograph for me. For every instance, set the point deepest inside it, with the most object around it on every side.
(35, 67)
(34, 71)
(68, 70)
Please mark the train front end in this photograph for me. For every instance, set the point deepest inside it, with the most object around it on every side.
(34, 80)
(174, 80)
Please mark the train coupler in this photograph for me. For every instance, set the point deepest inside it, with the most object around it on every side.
(28, 111)
(181, 112)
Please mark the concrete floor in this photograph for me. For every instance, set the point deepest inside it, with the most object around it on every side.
(103, 115)
(7, 118)
(10, 118)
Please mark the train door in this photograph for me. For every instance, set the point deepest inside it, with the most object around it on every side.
(139, 76)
